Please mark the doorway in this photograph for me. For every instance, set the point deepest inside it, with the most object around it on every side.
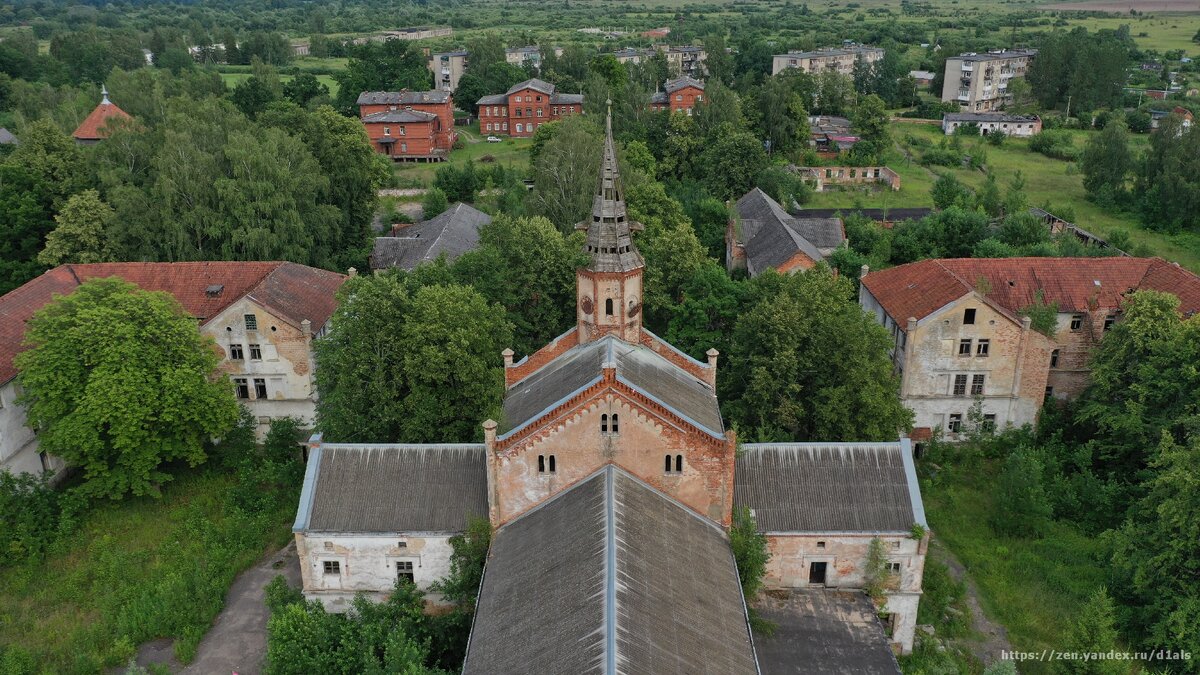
(816, 573)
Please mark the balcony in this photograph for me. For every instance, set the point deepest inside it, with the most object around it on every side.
(968, 68)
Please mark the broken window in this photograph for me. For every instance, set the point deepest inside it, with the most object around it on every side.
(1077, 322)
(1054, 359)
(977, 385)
(894, 568)
(251, 322)
(235, 352)
(1049, 393)
(955, 424)
(969, 317)
(404, 570)
(981, 348)
(260, 388)
(989, 422)
(243, 387)
(960, 385)
(332, 567)
(964, 347)
(1109, 321)
(255, 352)
(816, 572)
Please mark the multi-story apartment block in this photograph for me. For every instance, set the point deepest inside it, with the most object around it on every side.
(979, 82)
(840, 59)
(685, 61)
(525, 107)
(961, 335)
(448, 69)
(404, 125)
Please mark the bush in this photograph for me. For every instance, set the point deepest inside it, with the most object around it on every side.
(1055, 143)
(749, 552)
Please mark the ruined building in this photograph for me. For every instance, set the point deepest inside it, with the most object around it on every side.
(611, 480)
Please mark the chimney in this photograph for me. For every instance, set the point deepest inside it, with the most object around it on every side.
(912, 326)
(306, 328)
(508, 357)
(1026, 322)
(866, 269)
(712, 366)
(353, 272)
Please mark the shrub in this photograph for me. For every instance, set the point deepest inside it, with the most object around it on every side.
(1054, 143)
(749, 551)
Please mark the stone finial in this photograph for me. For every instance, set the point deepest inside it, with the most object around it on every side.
(508, 357)
(912, 324)
(489, 432)
(353, 271)
(104, 95)
(1026, 322)
(866, 269)
(712, 355)
(306, 328)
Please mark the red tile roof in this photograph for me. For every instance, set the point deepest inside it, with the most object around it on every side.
(294, 292)
(91, 128)
(1074, 284)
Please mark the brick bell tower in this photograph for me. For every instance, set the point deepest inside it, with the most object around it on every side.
(609, 290)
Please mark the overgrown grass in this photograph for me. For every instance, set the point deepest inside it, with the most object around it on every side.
(1034, 587)
(509, 152)
(137, 570)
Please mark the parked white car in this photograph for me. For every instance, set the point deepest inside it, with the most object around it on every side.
(493, 139)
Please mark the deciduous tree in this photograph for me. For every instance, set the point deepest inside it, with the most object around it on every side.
(81, 231)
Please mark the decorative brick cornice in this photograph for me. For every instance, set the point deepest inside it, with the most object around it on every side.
(541, 357)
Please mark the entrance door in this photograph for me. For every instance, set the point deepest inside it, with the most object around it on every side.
(816, 573)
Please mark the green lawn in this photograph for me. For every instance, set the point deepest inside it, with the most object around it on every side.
(1162, 32)
(510, 152)
(136, 570)
(1047, 181)
(1034, 587)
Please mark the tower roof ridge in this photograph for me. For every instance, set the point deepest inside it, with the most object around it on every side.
(609, 241)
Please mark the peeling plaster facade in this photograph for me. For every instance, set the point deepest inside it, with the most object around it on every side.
(1014, 364)
(845, 557)
(367, 563)
(18, 444)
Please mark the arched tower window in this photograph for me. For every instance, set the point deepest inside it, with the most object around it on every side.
(678, 463)
(541, 464)
(614, 423)
(608, 307)
(604, 423)
(552, 467)
(673, 463)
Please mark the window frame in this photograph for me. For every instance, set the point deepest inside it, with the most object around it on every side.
(242, 388)
(236, 353)
(954, 423)
(250, 321)
(260, 388)
(255, 351)
(978, 381)
(959, 390)
(964, 347)
(969, 316)
(982, 348)
(331, 568)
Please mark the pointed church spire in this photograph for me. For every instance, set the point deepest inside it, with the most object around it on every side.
(608, 231)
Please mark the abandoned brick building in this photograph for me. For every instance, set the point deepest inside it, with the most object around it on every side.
(762, 235)
(611, 480)
(960, 336)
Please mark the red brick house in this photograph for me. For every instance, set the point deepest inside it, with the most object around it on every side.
(404, 125)
(525, 107)
(679, 95)
(92, 129)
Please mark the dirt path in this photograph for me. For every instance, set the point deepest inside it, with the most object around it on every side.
(993, 638)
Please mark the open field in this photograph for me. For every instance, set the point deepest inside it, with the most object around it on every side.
(1031, 586)
(511, 153)
(1161, 33)
(1047, 182)
(1124, 6)
(234, 79)
(135, 570)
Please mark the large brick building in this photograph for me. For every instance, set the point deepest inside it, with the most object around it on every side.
(611, 467)
(261, 316)
(525, 107)
(679, 95)
(409, 125)
(960, 336)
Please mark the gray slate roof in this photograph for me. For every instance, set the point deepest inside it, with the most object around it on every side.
(452, 233)
(610, 577)
(534, 84)
(829, 487)
(637, 366)
(823, 632)
(493, 99)
(402, 97)
(989, 56)
(399, 116)
(392, 488)
(678, 83)
(566, 99)
(987, 117)
(772, 236)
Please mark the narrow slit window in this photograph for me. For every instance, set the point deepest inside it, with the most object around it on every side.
(604, 423)
(552, 467)
(614, 423)
(678, 463)
(541, 464)
(608, 307)
(667, 464)
(1054, 359)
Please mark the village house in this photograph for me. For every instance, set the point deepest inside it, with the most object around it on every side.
(678, 95)
(94, 127)
(262, 317)
(525, 107)
(979, 82)
(1157, 116)
(409, 125)
(960, 335)
(449, 234)
(839, 59)
(762, 235)
(1020, 126)
(611, 468)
